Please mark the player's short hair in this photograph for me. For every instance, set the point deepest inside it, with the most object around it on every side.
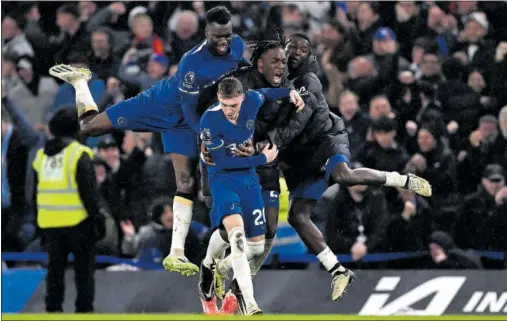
(230, 87)
(303, 36)
(273, 38)
(219, 14)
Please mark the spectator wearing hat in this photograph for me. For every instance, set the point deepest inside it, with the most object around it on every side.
(384, 40)
(435, 162)
(155, 70)
(445, 254)
(476, 51)
(35, 93)
(368, 21)
(73, 36)
(102, 61)
(411, 224)
(13, 37)
(485, 146)
(68, 211)
(483, 221)
(360, 220)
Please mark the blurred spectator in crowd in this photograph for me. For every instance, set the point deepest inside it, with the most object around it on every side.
(10, 77)
(499, 74)
(356, 121)
(86, 10)
(102, 60)
(485, 146)
(293, 18)
(384, 40)
(13, 37)
(368, 21)
(431, 70)
(186, 35)
(155, 71)
(73, 38)
(412, 223)
(483, 220)
(66, 94)
(472, 48)
(153, 241)
(359, 223)
(14, 165)
(35, 93)
(435, 162)
(384, 153)
(439, 25)
(108, 16)
(143, 42)
(445, 255)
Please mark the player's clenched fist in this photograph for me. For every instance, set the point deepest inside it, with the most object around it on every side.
(297, 100)
(270, 153)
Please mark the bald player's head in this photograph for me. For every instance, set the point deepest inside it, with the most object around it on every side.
(361, 67)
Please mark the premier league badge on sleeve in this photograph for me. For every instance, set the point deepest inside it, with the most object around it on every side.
(206, 136)
(250, 124)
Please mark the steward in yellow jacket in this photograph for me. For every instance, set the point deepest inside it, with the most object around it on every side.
(68, 210)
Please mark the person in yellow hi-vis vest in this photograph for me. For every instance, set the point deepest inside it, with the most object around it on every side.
(68, 210)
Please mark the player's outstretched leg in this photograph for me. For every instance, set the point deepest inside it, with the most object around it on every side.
(92, 123)
(184, 170)
(234, 298)
(344, 175)
(216, 247)
(300, 218)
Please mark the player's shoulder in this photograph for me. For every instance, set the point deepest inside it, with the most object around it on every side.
(252, 94)
(194, 55)
(211, 115)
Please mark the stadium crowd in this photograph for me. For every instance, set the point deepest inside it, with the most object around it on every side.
(421, 86)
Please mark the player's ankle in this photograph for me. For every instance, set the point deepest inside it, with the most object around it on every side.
(177, 252)
(395, 179)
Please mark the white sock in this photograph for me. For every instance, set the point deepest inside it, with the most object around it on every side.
(84, 97)
(182, 211)
(240, 265)
(329, 260)
(254, 254)
(226, 264)
(258, 261)
(395, 179)
(216, 248)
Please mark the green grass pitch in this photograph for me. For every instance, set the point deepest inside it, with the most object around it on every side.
(275, 317)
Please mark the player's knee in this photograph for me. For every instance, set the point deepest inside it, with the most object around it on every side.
(256, 248)
(186, 184)
(237, 239)
(297, 219)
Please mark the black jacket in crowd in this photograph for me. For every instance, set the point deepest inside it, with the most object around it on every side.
(482, 224)
(348, 216)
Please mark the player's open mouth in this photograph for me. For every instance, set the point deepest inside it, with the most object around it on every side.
(277, 80)
(294, 61)
(222, 49)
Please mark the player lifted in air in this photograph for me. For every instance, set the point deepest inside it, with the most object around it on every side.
(317, 157)
(168, 107)
(238, 209)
